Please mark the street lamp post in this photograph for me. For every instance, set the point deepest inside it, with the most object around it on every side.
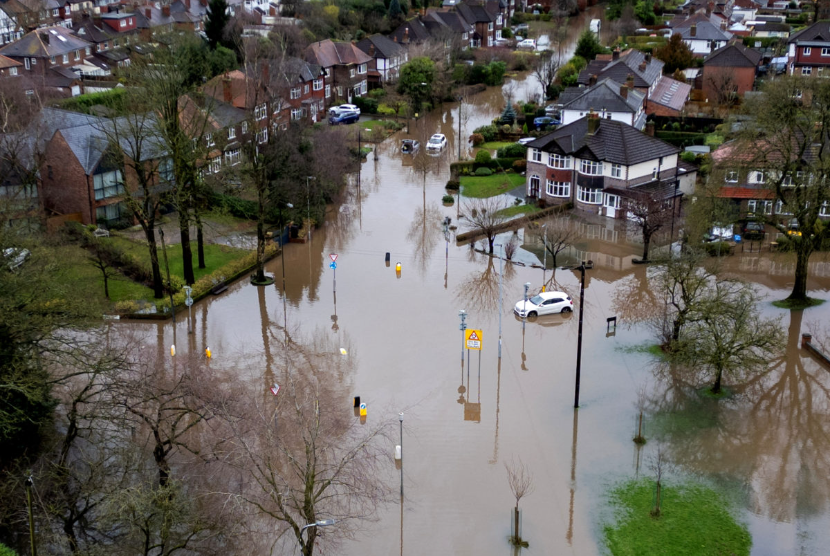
(501, 281)
(463, 314)
(545, 256)
(282, 253)
(524, 318)
(308, 203)
(400, 419)
(320, 523)
(582, 269)
(189, 302)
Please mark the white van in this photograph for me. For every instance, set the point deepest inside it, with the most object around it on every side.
(595, 25)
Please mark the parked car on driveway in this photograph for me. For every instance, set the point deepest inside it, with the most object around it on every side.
(436, 143)
(753, 230)
(410, 146)
(344, 118)
(525, 140)
(13, 257)
(545, 303)
(344, 109)
(544, 122)
(527, 43)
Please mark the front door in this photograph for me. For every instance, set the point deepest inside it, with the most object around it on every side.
(612, 205)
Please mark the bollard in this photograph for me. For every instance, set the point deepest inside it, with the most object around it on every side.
(806, 339)
(173, 351)
(388, 257)
(397, 267)
(207, 353)
(363, 410)
(397, 452)
(357, 401)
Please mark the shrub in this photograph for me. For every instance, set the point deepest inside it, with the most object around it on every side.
(484, 171)
(392, 125)
(489, 132)
(477, 139)
(512, 151)
(545, 17)
(377, 93)
(483, 157)
(507, 33)
(385, 110)
(448, 199)
(717, 248)
(366, 105)
(579, 63)
(568, 75)
(689, 157)
(453, 185)
(520, 166)
(124, 307)
(524, 127)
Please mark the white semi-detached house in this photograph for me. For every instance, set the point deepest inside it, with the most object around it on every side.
(597, 163)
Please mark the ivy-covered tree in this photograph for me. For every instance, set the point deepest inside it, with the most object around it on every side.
(675, 54)
(588, 45)
(217, 20)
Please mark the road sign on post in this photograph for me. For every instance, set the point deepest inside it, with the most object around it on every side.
(333, 265)
(275, 389)
(333, 257)
(472, 338)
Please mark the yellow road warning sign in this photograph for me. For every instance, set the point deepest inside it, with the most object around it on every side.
(472, 338)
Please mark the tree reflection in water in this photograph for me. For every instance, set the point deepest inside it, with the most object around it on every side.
(425, 232)
(479, 291)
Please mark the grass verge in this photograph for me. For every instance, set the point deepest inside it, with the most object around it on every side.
(695, 521)
(651, 349)
(798, 304)
(518, 210)
(493, 145)
(85, 281)
(481, 187)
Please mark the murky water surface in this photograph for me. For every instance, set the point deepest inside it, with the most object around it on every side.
(766, 449)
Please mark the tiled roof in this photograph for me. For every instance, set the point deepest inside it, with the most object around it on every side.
(476, 13)
(384, 46)
(413, 30)
(817, 32)
(44, 43)
(704, 31)
(613, 142)
(328, 53)
(629, 62)
(745, 193)
(605, 95)
(734, 55)
(8, 63)
(670, 92)
(451, 20)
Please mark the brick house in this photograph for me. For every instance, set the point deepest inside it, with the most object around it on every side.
(702, 37)
(732, 67)
(345, 66)
(809, 50)
(110, 34)
(598, 163)
(49, 55)
(10, 28)
(9, 67)
(486, 17)
(609, 99)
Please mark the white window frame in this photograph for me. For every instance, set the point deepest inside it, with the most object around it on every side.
(244, 128)
(362, 69)
(296, 114)
(294, 93)
(231, 133)
(26, 63)
(538, 183)
(731, 176)
(490, 26)
(807, 50)
(779, 209)
(589, 196)
(12, 71)
(616, 171)
(305, 89)
(261, 112)
(209, 139)
(215, 165)
(558, 188)
(317, 84)
(351, 72)
(66, 58)
(825, 51)
(232, 157)
(807, 70)
(758, 176)
(535, 155)
(824, 210)
(328, 91)
(77, 55)
(590, 168)
(262, 136)
(559, 161)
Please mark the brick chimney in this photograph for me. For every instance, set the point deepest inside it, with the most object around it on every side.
(643, 66)
(693, 30)
(593, 122)
(187, 4)
(148, 13)
(648, 57)
(45, 37)
(372, 49)
(616, 54)
(650, 128)
(629, 80)
(227, 95)
(165, 10)
(203, 2)
(592, 80)
(624, 91)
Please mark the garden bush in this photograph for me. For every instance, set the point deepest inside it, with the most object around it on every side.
(489, 132)
(385, 110)
(367, 105)
(717, 248)
(377, 93)
(477, 139)
(512, 151)
(520, 166)
(484, 171)
(453, 185)
(448, 199)
(483, 157)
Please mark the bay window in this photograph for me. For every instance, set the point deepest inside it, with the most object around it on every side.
(559, 161)
(559, 188)
(589, 196)
(590, 168)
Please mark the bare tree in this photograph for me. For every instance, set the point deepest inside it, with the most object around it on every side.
(521, 484)
(484, 217)
(101, 260)
(725, 87)
(558, 233)
(545, 67)
(650, 214)
(640, 404)
(658, 466)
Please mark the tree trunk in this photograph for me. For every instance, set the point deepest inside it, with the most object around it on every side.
(200, 239)
(187, 250)
(106, 284)
(158, 284)
(260, 235)
(803, 253)
(646, 243)
(518, 536)
(490, 240)
(716, 387)
(656, 511)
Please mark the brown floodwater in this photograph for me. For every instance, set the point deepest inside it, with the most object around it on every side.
(766, 449)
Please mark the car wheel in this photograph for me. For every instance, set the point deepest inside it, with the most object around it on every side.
(532, 315)
(566, 310)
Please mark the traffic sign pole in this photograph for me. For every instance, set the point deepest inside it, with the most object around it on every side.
(333, 266)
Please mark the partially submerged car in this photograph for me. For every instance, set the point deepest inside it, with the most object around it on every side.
(436, 143)
(545, 303)
(410, 146)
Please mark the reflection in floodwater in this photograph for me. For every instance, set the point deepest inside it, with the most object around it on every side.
(480, 290)
(570, 534)
(424, 233)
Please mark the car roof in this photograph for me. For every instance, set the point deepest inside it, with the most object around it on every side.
(437, 136)
(551, 295)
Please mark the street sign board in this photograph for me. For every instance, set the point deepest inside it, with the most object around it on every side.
(472, 338)
(333, 256)
(275, 389)
(333, 265)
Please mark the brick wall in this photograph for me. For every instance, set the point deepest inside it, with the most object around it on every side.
(66, 189)
(742, 78)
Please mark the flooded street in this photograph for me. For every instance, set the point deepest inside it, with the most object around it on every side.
(766, 449)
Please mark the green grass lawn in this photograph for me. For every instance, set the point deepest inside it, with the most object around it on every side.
(87, 282)
(694, 521)
(518, 210)
(481, 187)
(215, 256)
(493, 145)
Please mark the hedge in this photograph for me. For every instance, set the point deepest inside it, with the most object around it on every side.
(489, 132)
(681, 138)
(367, 105)
(484, 171)
(512, 151)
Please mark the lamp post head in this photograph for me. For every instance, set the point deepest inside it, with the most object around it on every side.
(400, 417)
(289, 205)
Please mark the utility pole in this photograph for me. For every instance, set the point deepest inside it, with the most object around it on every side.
(29, 484)
(463, 314)
(581, 268)
(169, 283)
(501, 282)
